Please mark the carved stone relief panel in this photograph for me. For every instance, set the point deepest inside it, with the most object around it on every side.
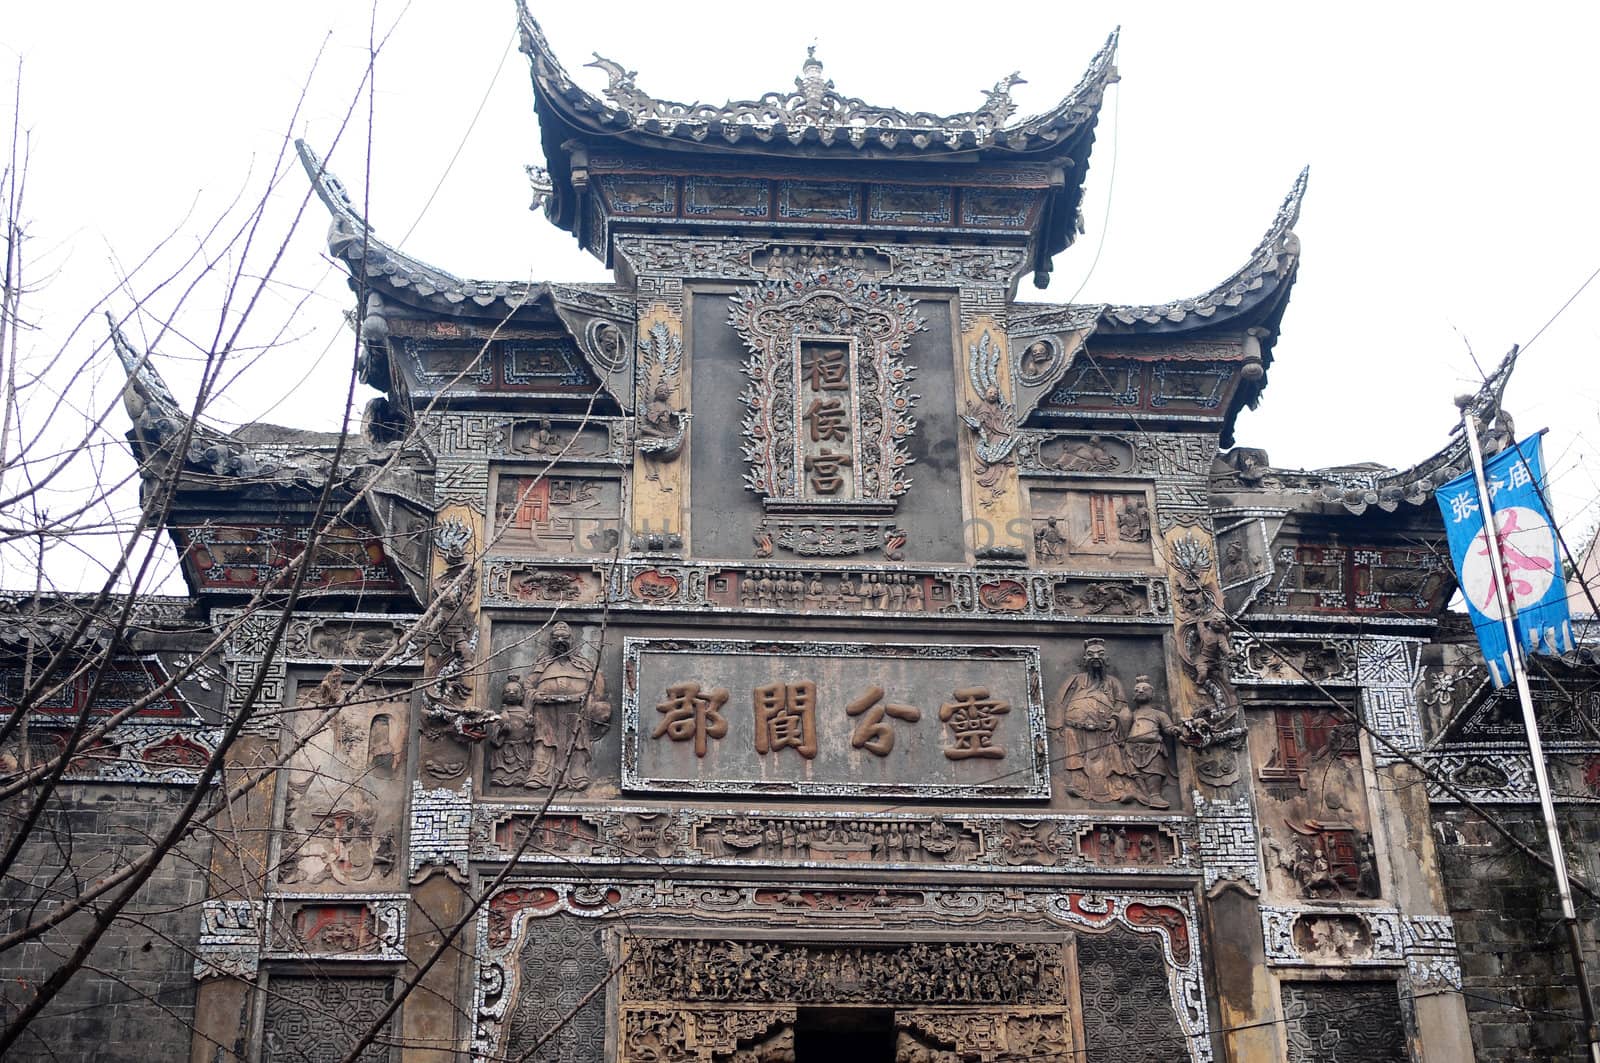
(350, 638)
(306, 926)
(1124, 844)
(344, 791)
(821, 586)
(556, 439)
(317, 1018)
(1091, 597)
(1344, 1022)
(697, 998)
(833, 718)
(1333, 937)
(968, 841)
(239, 558)
(953, 1035)
(1087, 454)
(1269, 658)
(1244, 557)
(1322, 578)
(1092, 530)
(553, 710)
(557, 516)
(1312, 803)
(1115, 732)
(830, 590)
(518, 582)
(753, 971)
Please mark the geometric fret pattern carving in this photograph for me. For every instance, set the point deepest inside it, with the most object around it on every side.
(1227, 841)
(1431, 957)
(317, 1018)
(563, 959)
(1126, 1015)
(1388, 671)
(1344, 1022)
(230, 939)
(441, 826)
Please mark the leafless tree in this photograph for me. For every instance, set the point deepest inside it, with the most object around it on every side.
(69, 498)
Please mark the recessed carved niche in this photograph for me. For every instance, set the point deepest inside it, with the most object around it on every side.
(1104, 528)
(344, 790)
(1312, 804)
(556, 516)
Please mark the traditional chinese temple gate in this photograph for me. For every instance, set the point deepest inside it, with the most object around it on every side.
(822, 646)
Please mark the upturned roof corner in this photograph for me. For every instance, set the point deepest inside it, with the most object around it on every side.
(1253, 295)
(1375, 487)
(352, 241)
(160, 424)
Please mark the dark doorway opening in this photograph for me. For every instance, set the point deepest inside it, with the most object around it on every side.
(844, 1035)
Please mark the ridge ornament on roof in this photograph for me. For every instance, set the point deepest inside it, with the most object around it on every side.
(814, 112)
(814, 104)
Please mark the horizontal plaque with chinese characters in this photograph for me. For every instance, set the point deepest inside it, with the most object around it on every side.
(833, 718)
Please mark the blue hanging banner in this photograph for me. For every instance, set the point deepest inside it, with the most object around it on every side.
(1528, 550)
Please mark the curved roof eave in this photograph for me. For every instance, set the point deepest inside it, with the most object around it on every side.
(159, 423)
(1252, 295)
(821, 120)
(1359, 488)
(411, 282)
(392, 272)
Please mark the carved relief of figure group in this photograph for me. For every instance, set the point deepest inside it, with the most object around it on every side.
(544, 736)
(1115, 750)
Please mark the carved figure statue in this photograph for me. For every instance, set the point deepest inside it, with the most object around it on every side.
(1089, 713)
(1133, 522)
(1049, 542)
(1236, 562)
(1148, 731)
(661, 423)
(563, 701)
(1037, 359)
(992, 418)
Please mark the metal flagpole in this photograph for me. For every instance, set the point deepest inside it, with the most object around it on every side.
(1541, 777)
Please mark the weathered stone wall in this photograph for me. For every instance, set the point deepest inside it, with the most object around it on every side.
(1516, 971)
(134, 1000)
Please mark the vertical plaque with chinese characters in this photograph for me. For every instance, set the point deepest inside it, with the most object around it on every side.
(828, 396)
(833, 718)
(825, 444)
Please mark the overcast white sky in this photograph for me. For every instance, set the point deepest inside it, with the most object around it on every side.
(1452, 155)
